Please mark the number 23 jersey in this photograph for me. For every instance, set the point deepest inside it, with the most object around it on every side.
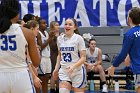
(70, 48)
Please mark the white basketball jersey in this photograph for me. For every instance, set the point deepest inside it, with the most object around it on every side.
(46, 51)
(70, 48)
(92, 58)
(12, 49)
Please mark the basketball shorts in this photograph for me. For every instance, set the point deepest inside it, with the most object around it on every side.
(45, 66)
(16, 82)
(77, 78)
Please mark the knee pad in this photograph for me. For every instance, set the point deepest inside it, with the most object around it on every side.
(64, 90)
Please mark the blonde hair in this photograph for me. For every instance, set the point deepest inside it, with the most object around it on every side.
(31, 23)
(52, 25)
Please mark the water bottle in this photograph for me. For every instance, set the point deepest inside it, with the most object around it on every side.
(116, 85)
(121, 31)
(91, 87)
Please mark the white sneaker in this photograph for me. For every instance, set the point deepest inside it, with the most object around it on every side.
(104, 88)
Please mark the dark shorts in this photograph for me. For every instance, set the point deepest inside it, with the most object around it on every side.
(90, 75)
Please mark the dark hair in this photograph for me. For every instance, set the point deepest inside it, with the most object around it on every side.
(19, 21)
(76, 25)
(39, 19)
(28, 17)
(30, 24)
(8, 10)
(134, 14)
(93, 39)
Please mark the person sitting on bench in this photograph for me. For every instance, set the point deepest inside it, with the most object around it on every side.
(94, 61)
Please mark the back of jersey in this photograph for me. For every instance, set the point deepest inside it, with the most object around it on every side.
(12, 49)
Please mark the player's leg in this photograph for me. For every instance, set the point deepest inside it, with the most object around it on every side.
(64, 87)
(45, 83)
(65, 81)
(79, 80)
(100, 69)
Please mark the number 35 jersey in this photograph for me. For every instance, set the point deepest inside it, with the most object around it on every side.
(70, 48)
(12, 49)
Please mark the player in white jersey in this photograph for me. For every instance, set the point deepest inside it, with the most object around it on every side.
(45, 65)
(70, 60)
(94, 61)
(14, 40)
(34, 26)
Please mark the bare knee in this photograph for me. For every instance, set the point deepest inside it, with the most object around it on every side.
(65, 84)
(100, 68)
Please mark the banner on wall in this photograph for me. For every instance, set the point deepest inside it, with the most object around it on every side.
(86, 12)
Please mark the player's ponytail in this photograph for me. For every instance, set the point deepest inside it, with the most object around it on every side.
(76, 31)
(5, 23)
(8, 10)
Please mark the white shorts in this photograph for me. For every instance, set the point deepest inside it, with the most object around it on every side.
(78, 77)
(137, 80)
(45, 66)
(16, 82)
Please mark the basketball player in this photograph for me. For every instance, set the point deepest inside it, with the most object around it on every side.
(94, 61)
(34, 26)
(45, 65)
(130, 46)
(14, 40)
(72, 73)
(53, 34)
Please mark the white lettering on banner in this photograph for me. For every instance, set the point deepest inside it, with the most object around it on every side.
(52, 13)
(121, 9)
(103, 10)
(36, 6)
(24, 8)
(135, 3)
(82, 14)
(121, 13)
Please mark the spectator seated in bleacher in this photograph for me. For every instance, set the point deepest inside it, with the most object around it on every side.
(94, 61)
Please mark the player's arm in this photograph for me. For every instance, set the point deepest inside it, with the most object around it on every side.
(127, 61)
(57, 66)
(36, 80)
(81, 60)
(99, 59)
(127, 43)
(39, 41)
(33, 53)
(82, 50)
(86, 63)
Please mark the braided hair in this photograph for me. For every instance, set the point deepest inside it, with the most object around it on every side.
(8, 10)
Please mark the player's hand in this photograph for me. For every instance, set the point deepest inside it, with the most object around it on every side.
(55, 74)
(37, 82)
(111, 71)
(70, 70)
(90, 66)
(51, 34)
